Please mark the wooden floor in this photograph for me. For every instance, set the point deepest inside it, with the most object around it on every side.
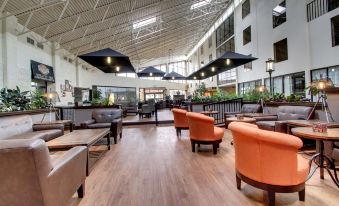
(151, 166)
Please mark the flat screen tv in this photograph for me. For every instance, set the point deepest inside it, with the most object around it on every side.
(42, 72)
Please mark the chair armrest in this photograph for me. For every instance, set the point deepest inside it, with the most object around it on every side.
(267, 118)
(281, 126)
(68, 174)
(39, 127)
(84, 125)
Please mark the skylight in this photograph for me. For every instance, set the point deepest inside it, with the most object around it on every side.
(279, 10)
(144, 22)
(200, 4)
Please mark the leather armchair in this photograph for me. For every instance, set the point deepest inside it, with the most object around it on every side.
(106, 118)
(29, 177)
(257, 153)
(180, 120)
(203, 131)
(22, 127)
(284, 113)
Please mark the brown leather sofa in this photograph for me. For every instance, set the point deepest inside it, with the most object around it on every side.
(30, 177)
(22, 127)
(279, 123)
(106, 118)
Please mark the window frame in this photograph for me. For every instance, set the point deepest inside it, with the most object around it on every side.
(247, 40)
(276, 18)
(335, 35)
(247, 10)
(275, 51)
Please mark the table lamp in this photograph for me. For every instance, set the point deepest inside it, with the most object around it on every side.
(52, 97)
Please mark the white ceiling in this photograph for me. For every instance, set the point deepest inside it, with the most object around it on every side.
(82, 26)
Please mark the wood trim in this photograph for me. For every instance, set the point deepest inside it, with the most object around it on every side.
(334, 90)
(28, 112)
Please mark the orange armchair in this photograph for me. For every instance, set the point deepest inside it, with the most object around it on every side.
(203, 131)
(269, 160)
(180, 120)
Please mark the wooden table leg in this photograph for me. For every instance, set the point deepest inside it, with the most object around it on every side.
(87, 163)
(321, 158)
(108, 141)
(71, 127)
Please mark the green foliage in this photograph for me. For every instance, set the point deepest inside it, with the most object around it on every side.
(201, 89)
(13, 100)
(38, 100)
(96, 99)
(294, 98)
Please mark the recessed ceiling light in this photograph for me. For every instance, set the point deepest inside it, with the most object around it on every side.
(202, 74)
(173, 77)
(144, 22)
(194, 77)
(200, 4)
(151, 74)
(213, 69)
(118, 69)
(109, 60)
(228, 61)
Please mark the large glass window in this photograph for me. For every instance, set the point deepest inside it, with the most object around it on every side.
(130, 75)
(279, 14)
(122, 95)
(161, 67)
(246, 34)
(280, 50)
(245, 87)
(288, 84)
(225, 30)
(227, 77)
(331, 73)
(335, 30)
(246, 8)
(178, 67)
(278, 85)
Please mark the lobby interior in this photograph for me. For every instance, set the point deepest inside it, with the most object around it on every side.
(169, 102)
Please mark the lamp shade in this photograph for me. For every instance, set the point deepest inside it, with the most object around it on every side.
(173, 76)
(151, 72)
(270, 66)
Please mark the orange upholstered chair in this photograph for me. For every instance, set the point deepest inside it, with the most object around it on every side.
(203, 131)
(180, 120)
(269, 160)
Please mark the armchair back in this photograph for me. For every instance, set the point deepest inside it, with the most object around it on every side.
(106, 115)
(200, 126)
(266, 156)
(180, 119)
(251, 108)
(15, 125)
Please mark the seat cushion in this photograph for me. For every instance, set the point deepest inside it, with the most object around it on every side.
(266, 125)
(99, 125)
(218, 133)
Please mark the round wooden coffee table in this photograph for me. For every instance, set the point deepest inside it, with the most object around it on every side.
(320, 158)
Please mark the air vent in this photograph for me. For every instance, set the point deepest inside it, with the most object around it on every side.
(30, 41)
(40, 45)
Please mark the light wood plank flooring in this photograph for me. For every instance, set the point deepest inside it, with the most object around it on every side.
(151, 166)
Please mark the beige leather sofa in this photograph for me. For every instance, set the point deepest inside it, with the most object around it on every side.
(29, 177)
(22, 127)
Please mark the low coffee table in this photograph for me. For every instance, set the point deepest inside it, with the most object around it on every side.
(64, 122)
(87, 137)
(308, 123)
(244, 119)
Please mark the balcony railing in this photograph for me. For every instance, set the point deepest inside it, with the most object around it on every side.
(318, 8)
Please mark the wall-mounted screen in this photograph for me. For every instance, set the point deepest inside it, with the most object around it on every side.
(42, 72)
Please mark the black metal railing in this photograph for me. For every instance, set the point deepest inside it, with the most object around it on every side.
(233, 105)
(317, 8)
(66, 113)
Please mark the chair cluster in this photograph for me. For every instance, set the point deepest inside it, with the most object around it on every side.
(201, 128)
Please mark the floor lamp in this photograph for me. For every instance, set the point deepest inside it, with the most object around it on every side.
(321, 85)
(51, 97)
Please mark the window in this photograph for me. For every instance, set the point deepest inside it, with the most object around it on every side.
(210, 58)
(210, 42)
(279, 14)
(288, 84)
(246, 8)
(246, 87)
(227, 46)
(331, 73)
(280, 51)
(246, 34)
(225, 30)
(178, 67)
(248, 66)
(30, 41)
(278, 85)
(40, 45)
(335, 30)
(227, 77)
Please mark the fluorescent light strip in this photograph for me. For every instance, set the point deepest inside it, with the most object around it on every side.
(200, 4)
(225, 15)
(143, 23)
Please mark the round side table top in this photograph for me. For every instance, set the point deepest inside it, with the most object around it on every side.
(307, 132)
(245, 119)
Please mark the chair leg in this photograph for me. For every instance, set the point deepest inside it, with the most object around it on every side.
(180, 132)
(193, 146)
(120, 135)
(270, 198)
(302, 195)
(238, 182)
(81, 190)
(215, 148)
(198, 145)
(115, 140)
(177, 131)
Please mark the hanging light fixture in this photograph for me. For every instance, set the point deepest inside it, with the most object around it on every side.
(194, 78)
(109, 60)
(118, 69)
(202, 74)
(228, 61)
(173, 78)
(213, 69)
(151, 74)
